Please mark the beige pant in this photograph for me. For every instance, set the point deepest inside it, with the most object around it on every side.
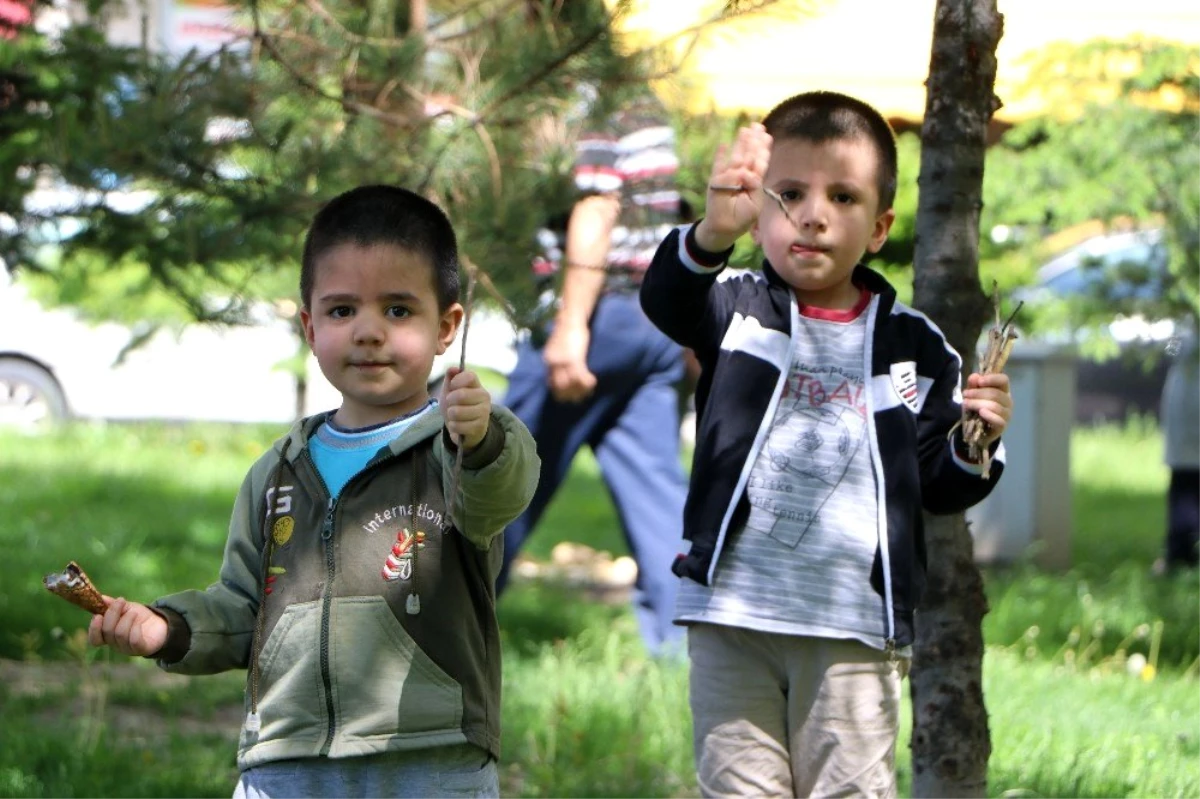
(785, 715)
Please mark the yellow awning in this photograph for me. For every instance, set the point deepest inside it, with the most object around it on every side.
(877, 50)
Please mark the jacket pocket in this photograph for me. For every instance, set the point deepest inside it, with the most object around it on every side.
(384, 685)
(290, 700)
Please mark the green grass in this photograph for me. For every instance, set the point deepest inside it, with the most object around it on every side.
(586, 713)
(1107, 602)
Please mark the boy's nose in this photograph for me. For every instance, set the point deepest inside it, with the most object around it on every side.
(368, 330)
(813, 215)
(810, 223)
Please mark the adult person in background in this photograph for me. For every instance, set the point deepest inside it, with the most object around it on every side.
(1180, 414)
(601, 374)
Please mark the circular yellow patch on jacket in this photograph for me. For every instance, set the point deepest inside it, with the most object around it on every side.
(282, 532)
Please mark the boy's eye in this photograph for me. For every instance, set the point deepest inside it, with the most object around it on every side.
(844, 198)
(341, 312)
(398, 311)
(789, 195)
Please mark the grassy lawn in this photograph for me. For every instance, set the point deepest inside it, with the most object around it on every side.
(144, 508)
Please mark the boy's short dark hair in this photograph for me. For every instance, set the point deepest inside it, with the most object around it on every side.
(826, 116)
(370, 215)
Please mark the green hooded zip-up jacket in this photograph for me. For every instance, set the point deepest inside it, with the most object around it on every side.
(364, 630)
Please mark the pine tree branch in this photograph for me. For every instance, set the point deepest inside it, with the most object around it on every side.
(470, 31)
(525, 86)
(264, 39)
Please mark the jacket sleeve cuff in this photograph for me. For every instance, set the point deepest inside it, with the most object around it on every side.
(179, 638)
(486, 452)
(698, 259)
(962, 455)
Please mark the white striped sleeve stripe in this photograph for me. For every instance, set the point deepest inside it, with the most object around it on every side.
(688, 260)
(746, 334)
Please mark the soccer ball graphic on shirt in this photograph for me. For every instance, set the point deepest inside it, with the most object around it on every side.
(822, 443)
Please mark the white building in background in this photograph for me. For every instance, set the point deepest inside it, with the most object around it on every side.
(177, 27)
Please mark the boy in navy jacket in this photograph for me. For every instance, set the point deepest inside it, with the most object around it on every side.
(826, 410)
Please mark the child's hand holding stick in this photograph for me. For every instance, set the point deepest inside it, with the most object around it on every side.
(977, 432)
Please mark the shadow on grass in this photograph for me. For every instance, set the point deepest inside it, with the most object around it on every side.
(1108, 601)
(534, 615)
(136, 537)
(581, 512)
(1020, 784)
(1115, 528)
(45, 762)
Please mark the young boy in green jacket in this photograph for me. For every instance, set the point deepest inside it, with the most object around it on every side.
(359, 597)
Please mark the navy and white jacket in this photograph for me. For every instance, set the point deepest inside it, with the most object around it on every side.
(741, 331)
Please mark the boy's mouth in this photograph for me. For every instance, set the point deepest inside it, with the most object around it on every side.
(800, 248)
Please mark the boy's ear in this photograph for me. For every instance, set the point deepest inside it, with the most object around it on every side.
(883, 224)
(306, 321)
(448, 326)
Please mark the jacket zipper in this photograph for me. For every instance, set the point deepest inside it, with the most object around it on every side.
(327, 592)
(326, 603)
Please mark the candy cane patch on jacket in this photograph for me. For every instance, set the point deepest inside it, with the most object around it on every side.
(398, 565)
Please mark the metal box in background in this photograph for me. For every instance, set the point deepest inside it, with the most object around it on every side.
(1028, 515)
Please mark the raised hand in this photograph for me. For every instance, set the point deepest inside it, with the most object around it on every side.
(735, 184)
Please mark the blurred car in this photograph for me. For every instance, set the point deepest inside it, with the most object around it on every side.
(1126, 268)
(54, 366)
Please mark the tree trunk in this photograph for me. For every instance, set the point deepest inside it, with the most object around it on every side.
(301, 396)
(950, 739)
(302, 350)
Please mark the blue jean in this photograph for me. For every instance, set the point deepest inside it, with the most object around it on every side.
(631, 422)
(463, 770)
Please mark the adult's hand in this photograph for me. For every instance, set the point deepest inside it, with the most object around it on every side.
(565, 355)
(589, 234)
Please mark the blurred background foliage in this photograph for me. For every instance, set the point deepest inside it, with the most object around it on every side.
(184, 185)
(193, 179)
(1123, 152)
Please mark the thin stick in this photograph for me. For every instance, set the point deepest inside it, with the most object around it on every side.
(474, 272)
(774, 195)
(462, 365)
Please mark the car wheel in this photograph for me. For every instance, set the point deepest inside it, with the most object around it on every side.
(29, 395)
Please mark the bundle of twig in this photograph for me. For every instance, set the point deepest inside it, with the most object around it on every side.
(1001, 339)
